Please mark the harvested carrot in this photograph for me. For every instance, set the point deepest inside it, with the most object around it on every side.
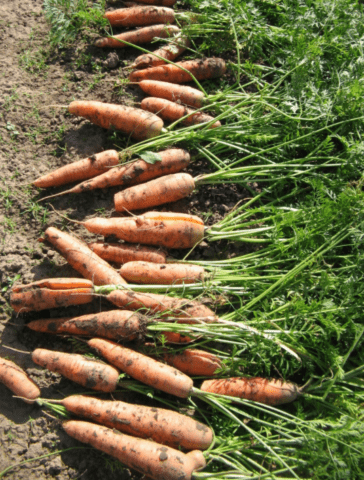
(115, 324)
(167, 189)
(81, 170)
(84, 371)
(171, 112)
(135, 122)
(171, 51)
(177, 338)
(194, 362)
(51, 293)
(138, 37)
(165, 3)
(270, 392)
(17, 381)
(122, 252)
(200, 69)
(143, 368)
(161, 274)
(173, 92)
(82, 258)
(149, 458)
(163, 426)
(139, 16)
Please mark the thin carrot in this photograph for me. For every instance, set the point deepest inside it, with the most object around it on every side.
(139, 16)
(171, 112)
(270, 392)
(114, 324)
(143, 368)
(200, 69)
(120, 253)
(17, 381)
(165, 3)
(135, 122)
(194, 362)
(163, 426)
(177, 338)
(161, 274)
(171, 51)
(173, 92)
(84, 371)
(138, 37)
(167, 189)
(82, 258)
(147, 457)
(81, 170)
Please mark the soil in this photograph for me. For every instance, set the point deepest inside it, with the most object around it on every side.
(36, 137)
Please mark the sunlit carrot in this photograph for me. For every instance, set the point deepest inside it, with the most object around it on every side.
(171, 51)
(139, 16)
(14, 378)
(162, 274)
(139, 36)
(174, 92)
(194, 362)
(121, 253)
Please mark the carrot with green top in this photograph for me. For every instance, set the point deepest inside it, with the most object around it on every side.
(161, 274)
(138, 37)
(14, 378)
(121, 253)
(171, 51)
(174, 92)
(140, 15)
(194, 362)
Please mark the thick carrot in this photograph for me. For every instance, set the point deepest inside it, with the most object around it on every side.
(82, 258)
(115, 324)
(171, 112)
(51, 293)
(143, 368)
(149, 458)
(17, 381)
(132, 121)
(194, 362)
(270, 392)
(139, 16)
(81, 170)
(138, 37)
(122, 252)
(84, 371)
(167, 189)
(163, 426)
(161, 274)
(165, 3)
(200, 69)
(170, 52)
(173, 92)
(170, 230)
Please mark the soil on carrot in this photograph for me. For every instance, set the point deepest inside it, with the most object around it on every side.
(36, 136)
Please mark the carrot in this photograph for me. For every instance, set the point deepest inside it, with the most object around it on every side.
(164, 3)
(171, 230)
(81, 170)
(138, 37)
(82, 258)
(122, 253)
(143, 368)
(200, 69)
(175, 93)
(84, 371)
(178, 338)
(171, 112)
(194, 362)
(270, 392)
(162, 274)
(115, 324)
(161, 425)
(167, 189)
(132, 121)
(149, 458)
(51, 293)
(170, 52)
(139, 16)
(17, 381)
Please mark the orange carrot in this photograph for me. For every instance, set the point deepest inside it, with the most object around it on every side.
(270, 392)
(81, 170)
(200, 69)
(175, 93)
(122, 252)
(17, 381)
(161, 425)
(170, 52)
(84, 371)
(167, 189)
(161, 274)
(177, 338)
(115, 324)
(132, 121)
(82, 258)
(194, 362)
(140, 15)
(143, 368)
(149, 458)
(51, 293)
(138, 37)
(171, 112)
(165, 3)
